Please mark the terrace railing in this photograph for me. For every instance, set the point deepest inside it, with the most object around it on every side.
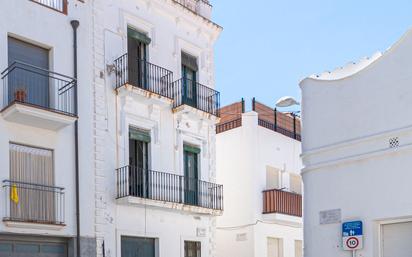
(144, 75)
(168, 187)
(283, 202)
(28, 202)
(31, 85)
(58, 5)
(192, 93)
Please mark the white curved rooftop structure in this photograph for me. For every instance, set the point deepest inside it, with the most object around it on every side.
(353, 68)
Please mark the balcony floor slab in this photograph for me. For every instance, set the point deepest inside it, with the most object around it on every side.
(30, 115)
(136, 201)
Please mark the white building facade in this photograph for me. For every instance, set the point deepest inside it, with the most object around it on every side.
(38, 114)
(258, 163)
(155, 115)
(356, 155)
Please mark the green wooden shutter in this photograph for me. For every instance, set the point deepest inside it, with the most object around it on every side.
(192, 149)
(189, 61)
(138, 36)
(139, 135)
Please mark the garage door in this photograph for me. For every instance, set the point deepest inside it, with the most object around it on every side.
(32, 249)
(396, 240)
(137, 247)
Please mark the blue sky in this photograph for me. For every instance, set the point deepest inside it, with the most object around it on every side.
(268, 46)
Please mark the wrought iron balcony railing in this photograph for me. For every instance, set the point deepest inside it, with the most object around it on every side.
(278, 201)
(58, 5)
(199, 7)
(277, 128)
(34, 203)
(161, 186)
(189, 92)
(28, 84)
(144, 75)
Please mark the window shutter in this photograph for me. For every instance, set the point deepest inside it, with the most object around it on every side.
(189, 61)
(139, 135)
(192, 149)
(138, 36)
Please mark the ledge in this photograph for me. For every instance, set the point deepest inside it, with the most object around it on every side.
(33, 225)
(143, 94)
(283, 219)
(31, 115)
(195, 113)
(136, 201)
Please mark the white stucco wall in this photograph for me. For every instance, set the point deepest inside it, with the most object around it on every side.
(42, 26)
(242, 156)
(349, 164)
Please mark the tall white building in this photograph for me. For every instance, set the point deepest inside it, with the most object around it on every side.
(142, 180)
(259, 165)
(356, 145)
(38, 112)
(154, 135)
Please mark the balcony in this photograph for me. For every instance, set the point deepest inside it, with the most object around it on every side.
(190, 93)
(33, 203)
(57, 5)
(37, 97)
(143, 75)
(199, 7)
(282, 202)
(180, 192)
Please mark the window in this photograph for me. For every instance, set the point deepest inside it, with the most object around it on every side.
(137, 246)
(274, 247)
(298, 248)
(192, 249)
(189, 75)
(58, 5)
(272, 178)
(295, 183)
(191, 170)
(139, 141)
(28, 85)
(31, 174)
(137, 55)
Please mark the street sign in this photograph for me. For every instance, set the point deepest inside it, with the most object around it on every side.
(352, 235)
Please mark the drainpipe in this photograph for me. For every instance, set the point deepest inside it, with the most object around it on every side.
(75, 25)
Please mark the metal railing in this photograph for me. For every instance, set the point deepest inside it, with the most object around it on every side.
(28, 84)
(192, 93)
(58, 5)
(144, 75)
(168, 187)
(28, 202)
(277, 128)
(195, 5)
(278, 201)
(222, 127)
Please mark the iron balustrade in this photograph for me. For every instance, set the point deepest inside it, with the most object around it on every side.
(168, 187)
(222, 127)
(144, 75)
(31, 85)
(58, 5)
(279, 201)
(35, 203)
(193, 5)
(192, 93)
(277, 128)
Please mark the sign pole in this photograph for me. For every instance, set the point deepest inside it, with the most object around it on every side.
(354, 253)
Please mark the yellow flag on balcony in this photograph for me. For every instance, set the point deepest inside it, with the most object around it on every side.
(14, 196)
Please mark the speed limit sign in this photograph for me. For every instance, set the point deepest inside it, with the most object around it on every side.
(352, 235)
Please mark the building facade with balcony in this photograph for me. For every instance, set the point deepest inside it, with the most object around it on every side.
(154, 137)
(356, 153)
(38, 113)
(258, 164)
